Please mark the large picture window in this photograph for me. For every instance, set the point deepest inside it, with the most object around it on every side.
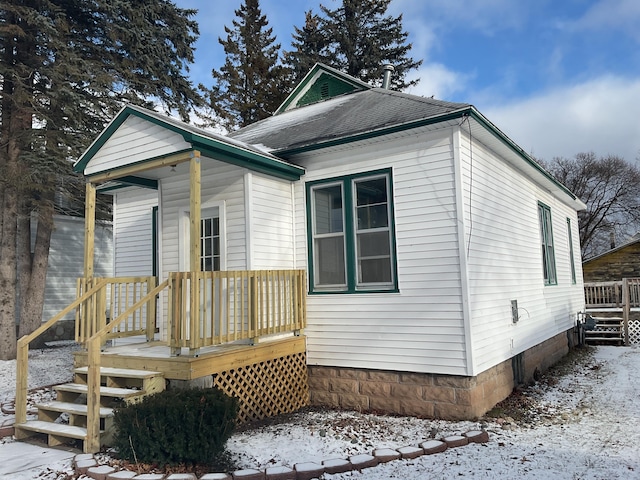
(548, 254)
(351, 246)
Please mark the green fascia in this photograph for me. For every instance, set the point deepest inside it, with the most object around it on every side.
(219, 150)
(458, 114)
(244, 158)
(129, 181)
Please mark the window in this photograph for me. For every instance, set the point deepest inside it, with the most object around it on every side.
(546, 236)
(210, 244)
(351, 247)
(571, 260)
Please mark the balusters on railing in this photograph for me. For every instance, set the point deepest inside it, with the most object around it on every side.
(210, 308)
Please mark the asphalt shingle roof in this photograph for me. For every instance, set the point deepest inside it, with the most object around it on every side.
(339, 117)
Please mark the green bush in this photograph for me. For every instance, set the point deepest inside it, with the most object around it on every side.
(175, 426)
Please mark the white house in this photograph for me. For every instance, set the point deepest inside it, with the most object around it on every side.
(443, 263)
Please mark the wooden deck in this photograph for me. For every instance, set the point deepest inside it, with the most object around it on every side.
(610, 305)
(242, 331)
(157, 356)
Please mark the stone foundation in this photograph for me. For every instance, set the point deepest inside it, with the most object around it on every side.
(430, 395)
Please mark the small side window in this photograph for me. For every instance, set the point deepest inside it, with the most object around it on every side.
(548, 254)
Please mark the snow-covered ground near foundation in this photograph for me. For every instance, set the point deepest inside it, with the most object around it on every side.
(582, 425)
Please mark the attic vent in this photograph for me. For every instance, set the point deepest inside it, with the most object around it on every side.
(324, 90)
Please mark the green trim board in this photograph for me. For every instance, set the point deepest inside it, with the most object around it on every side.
(220, 149)
(128, 181)
(455, 115)
(228, 154)
(572, 261)
(309, 89)
(547, 245)
(349, 233)
(154, 241)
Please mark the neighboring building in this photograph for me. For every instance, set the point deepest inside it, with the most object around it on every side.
(614, 265)
(441, 257)
(65, 266)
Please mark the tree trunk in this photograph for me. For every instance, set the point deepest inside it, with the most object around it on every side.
(33, 300)
(8, 277)
(23, 256)
(16, 129)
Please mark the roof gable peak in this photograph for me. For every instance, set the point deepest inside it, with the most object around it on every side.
(321, 83)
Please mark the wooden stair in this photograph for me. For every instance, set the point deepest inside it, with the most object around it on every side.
(64, 420)
(606, 331)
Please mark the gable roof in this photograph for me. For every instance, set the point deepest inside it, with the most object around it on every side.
(342, 117)
(321, 83)
(632, 241)
(368, 112)
(208, 143)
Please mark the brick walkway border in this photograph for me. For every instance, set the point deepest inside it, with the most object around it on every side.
(86, 463)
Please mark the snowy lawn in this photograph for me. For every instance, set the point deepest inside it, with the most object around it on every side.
(581, 424)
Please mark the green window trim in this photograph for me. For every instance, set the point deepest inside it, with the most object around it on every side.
(546, 240)
(351, 233)
(572, 261)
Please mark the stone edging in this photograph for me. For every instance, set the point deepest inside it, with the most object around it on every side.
(86, 463)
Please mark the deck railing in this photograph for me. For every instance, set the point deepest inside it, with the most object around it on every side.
(115, 297)
(225, 306)
(612, 294)
(233, 305)
(623, 295)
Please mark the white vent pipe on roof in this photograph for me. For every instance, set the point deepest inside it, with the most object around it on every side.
(386, 79)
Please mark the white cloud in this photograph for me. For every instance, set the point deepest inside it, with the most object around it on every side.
(599, 116)
(487, 16)
(611, 14)
(438, 81)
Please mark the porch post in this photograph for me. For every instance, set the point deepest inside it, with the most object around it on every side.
(194, 209)
(89, 228)
(194, 257)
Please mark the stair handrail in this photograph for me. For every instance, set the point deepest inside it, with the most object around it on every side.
(94, 344)
(22, 353)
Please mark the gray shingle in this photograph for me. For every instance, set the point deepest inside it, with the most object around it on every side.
(343, 116)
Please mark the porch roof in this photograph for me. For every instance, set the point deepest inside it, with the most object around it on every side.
(208, 143)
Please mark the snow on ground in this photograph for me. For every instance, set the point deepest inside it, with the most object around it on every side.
(583, 425)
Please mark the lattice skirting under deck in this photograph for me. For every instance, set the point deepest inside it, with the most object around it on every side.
(267, 388)
(634, 331)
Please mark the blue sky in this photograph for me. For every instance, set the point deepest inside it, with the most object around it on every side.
(558, 77)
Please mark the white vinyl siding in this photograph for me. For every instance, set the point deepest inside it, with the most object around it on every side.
(504, 259)
(221, 184)
(421, 327)
(271, 223)
(133, 231)
(66, 262)
(135, 140)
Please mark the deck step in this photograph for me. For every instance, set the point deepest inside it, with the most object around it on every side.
(56, 429)
(120, 372)
(71, 408)
(64, 420)
(104, 391)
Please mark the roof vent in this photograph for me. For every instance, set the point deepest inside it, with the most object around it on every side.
(386, 79)
(324, 90)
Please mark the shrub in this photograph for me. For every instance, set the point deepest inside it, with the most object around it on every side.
(175, 426)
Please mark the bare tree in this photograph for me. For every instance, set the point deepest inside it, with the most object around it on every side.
(609, 187)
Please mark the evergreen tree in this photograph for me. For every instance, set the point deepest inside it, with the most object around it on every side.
(251, 84)
(309, 43)
(66, 67)
(359, 39)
